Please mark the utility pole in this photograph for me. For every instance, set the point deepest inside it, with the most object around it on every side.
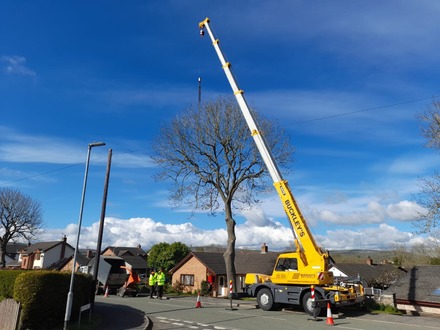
(100, 234)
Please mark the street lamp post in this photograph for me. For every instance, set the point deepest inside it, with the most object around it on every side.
(72, 278)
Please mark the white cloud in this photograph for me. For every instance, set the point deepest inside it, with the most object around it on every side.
(368, 212)
(144, 231)
(391, 30)
(132, 160)
(16, 65)
(373, 204)
(404, 211)
(376, 237)
(17, 147)
(414, 164)
(257, 218)
(147, 232)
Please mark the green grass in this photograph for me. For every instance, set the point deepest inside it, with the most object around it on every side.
(382, 308)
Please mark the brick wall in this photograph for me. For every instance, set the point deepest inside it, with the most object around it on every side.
(109, 252)
(192, 267)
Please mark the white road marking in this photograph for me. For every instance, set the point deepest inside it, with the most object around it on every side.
(394, 322)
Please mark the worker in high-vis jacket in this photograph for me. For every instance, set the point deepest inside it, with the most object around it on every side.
(152, 281)
(160, 283)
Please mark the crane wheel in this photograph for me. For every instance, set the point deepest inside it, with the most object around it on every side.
(307, 304)
(265, 299)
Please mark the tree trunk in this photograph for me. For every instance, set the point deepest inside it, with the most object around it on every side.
(2, 257)
(229, 254)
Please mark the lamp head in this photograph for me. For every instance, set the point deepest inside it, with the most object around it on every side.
(96, 144)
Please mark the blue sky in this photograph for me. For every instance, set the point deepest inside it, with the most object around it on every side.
(346, 79)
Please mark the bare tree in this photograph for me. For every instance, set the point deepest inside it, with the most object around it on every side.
(431, 125)
(211, 159)
(429, 196)
(429, 199)
(20, 218)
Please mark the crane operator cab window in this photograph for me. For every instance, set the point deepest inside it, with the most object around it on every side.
(287, 264)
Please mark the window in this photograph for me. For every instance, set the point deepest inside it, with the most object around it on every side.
(287, 264)
(222, 281)
(240, 282)
(187, 279)
(436, 292)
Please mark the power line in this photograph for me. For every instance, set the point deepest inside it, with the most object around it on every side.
(57, 170)
(365, 110)
(40, 174)
(298, 122)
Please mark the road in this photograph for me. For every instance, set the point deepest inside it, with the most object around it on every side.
(216, 314)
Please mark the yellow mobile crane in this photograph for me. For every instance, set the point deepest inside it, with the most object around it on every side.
(295, 273)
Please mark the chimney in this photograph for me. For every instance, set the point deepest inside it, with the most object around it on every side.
(264, 248)
(63, 247)
(89, 254)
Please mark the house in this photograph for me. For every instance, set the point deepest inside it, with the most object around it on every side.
(418, 291)
(43, 255)
(13, 254)
(210, 266)
(134, 257)
(66, 264)
(378, 276)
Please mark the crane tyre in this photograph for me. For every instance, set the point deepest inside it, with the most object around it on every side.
(307, 304)
(265, 299)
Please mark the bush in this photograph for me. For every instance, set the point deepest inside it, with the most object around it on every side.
(205, 288)
(142, 288)
(377, 307)
(177, 287)
(391, 310)
(43, 297)
(7, 282)
(435, 261)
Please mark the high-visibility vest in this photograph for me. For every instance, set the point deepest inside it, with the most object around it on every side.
(152, 279)
(160, 278)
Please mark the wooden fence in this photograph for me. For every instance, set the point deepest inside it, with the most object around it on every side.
(10, 314)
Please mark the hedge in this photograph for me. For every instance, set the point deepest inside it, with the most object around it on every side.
(43, 297)
(7, 282)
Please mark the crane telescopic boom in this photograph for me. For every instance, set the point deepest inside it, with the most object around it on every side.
(300, 229)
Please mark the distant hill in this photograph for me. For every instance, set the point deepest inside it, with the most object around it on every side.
(361, 256)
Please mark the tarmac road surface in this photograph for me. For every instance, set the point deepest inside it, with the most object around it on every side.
(115, 313)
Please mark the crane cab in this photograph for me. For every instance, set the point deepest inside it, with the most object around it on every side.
(290, 268)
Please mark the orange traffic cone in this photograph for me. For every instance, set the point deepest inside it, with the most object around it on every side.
(106, 292)
(329, 316)
(198, 303)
